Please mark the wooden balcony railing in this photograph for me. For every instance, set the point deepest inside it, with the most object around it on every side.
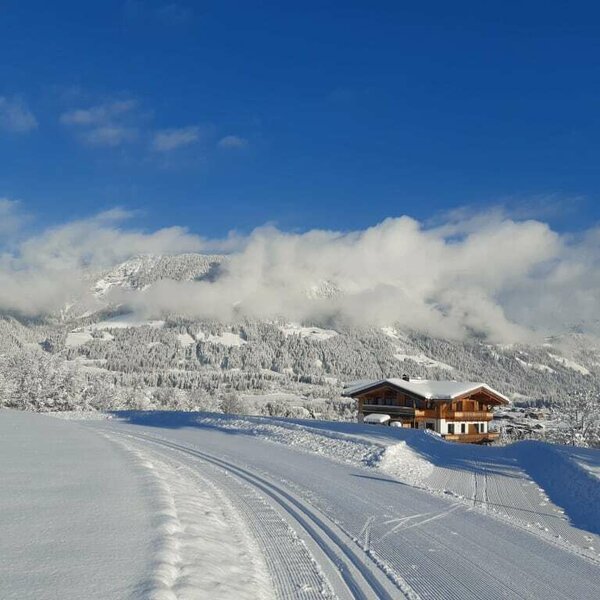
(428, 414)
(396, 410)
(409, 411)
(461, 415)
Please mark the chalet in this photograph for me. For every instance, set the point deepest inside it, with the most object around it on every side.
(458, 410)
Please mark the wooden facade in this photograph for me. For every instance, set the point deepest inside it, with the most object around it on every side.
(463, 418)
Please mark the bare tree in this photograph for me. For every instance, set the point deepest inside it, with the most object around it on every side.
(232, 404)
(581, 416)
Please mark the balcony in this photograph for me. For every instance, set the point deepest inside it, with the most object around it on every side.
(461, 415)
(389, 410)
(426, 414)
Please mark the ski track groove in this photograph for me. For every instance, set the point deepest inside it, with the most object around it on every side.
(363, 580)
(300, 578)
(517, 501)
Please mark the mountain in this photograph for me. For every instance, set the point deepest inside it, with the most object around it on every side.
(105, 341)
(141, 271)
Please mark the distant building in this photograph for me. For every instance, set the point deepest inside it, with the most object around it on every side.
(457, 410)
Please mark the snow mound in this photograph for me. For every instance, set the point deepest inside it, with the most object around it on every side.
(404, 463)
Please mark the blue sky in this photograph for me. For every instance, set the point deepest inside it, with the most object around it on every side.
(226, 115)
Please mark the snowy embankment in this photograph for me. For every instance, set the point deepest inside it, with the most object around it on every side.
(552, 491)
(91, 516)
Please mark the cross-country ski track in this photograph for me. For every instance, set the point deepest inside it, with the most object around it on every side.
(369, 536)
(238, 516)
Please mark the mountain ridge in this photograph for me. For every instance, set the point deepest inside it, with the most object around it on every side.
(281, 355)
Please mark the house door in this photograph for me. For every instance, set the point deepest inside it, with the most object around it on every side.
(473, 428)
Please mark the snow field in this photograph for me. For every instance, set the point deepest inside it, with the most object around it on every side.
(74, 519)
(315, 333)
(570, 364)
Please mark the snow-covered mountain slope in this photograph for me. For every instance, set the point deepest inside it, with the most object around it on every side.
(141, 271)
(147, 351)
(309, 360)
(307, 509)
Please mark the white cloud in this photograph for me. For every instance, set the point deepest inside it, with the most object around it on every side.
(501, 278)
(108, 124)
(167, 140)
(98, 115)
(51, 269)
(15, 116)
(109, 135)
(232, 142)
(11, 218)
(397, 271)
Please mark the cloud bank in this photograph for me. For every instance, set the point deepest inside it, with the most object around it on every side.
(487, 274)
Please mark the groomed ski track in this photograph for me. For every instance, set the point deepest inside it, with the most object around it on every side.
(335, 554)
(330, 530)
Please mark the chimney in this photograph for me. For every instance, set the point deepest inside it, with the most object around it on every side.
(405, 377)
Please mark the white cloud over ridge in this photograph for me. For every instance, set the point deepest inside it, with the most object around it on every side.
(487, 274)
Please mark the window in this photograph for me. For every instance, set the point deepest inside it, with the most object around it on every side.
(459, 406)
(463, 428)
(429, 426)
(451, 428)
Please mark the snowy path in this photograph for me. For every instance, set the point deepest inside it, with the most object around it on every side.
(326, 527)
(335, 554)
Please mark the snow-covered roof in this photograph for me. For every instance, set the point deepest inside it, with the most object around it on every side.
(428, 389)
